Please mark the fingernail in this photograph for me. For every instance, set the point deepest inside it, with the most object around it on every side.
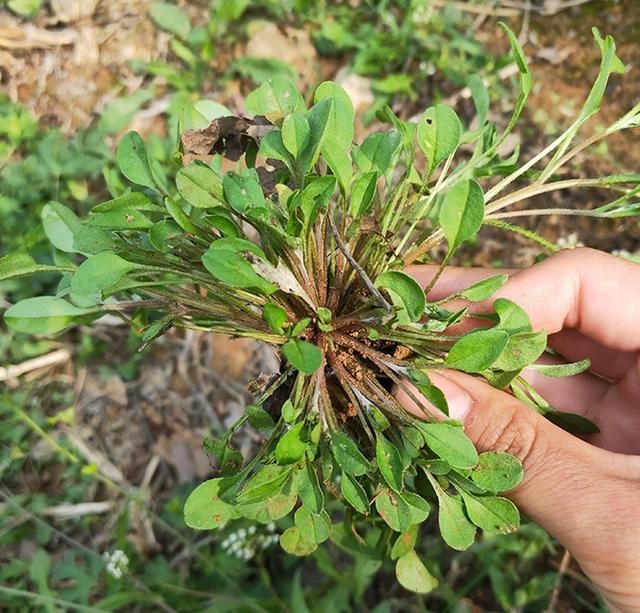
(458, 399)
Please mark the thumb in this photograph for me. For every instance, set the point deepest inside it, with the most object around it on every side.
(570, 488)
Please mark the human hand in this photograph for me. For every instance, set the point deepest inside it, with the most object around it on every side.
(586, 493)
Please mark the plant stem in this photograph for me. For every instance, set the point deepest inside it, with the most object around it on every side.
(363, 275)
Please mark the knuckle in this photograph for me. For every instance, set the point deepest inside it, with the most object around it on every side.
(510, 429)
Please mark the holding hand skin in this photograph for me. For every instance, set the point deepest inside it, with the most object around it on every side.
(586, 493)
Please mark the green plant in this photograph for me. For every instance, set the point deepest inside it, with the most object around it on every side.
(407, 49)
(302, 247)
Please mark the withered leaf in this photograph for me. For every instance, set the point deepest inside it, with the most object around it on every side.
(230, 136)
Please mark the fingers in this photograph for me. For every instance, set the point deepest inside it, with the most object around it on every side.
(577, 394)
(592, 292)
(586, 497)
(575, 346)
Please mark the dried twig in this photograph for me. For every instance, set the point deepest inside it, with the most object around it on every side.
(477, 9)
(71, 511)
(60, 356)
(562, 571)
(361, 273)
(29, 37)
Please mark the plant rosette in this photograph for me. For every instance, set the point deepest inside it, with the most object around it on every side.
(302, 245)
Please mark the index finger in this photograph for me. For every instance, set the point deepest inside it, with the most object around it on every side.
(590, 291)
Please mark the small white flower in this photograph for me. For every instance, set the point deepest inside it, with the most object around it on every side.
(569, 242)
(117, 563)
(252, 530)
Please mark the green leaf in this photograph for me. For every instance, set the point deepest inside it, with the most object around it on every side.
(419, 508)
(171, 18)
(22, 264)
(210, 110)
(293, 542)
(302, 355)
(340, 124)
(309, 488)
(405, 542)
(133, 161)
(315, 197)
(272, 146)
(238, 245)
(354, 493)
(389, 462)
(477, 350)
(610, 63)
(264, 483)
(512, 318)
(572, 422)
(457, 531)
(497, 471)
(431, 392)
(318, 117)
(491, 513)
(44, 315)
(480, 97)
(224, 224)
(450, 443)
(25, 8)
(98, 273)
(290, 412)
(181, 218)
(295, 133)
(200, 185)
(338, 160)
(229, 458)
(405, 292)
(233, 269)
(275, 99)
(243, 190)
(259, 418)
(204, 509)
(393, 510)
(363, 194)
(438, 134)
(315, 527)
(273, 508)
(412, 574)
(123, 213)
(60, 225)
(291, 448)
(485, 288)
(521, 350)
(90, 240)
(377, 152)
(561, 370)
(461, 213)
(436, 466)
(525, 81)
(275, 316)
(162, 235)
(347, 455)
(269, 495)
(379, 419)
